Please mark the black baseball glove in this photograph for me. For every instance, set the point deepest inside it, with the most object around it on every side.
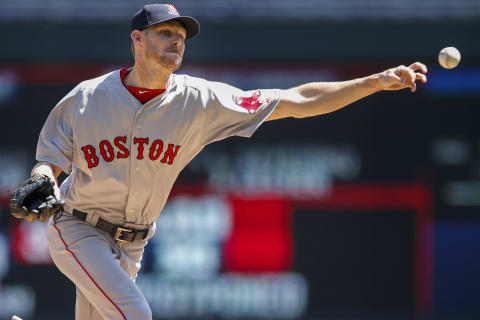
(35, 199)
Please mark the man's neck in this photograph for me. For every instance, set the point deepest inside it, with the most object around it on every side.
(147, 78)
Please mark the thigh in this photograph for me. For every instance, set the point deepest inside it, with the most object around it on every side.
(84, 310)
(90, 261)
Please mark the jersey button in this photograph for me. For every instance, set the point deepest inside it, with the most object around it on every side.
(139, 126)
(137, 169)
(131, 210)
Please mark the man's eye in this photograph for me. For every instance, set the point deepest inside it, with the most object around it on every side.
(166, 32)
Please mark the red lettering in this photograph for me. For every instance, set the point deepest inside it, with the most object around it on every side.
(141, 142)
(156, 149)
(91, 156)
(123, 153)
(106, 150)
(170, 154)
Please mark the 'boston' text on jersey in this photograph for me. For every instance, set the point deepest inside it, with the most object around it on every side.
(119, 150)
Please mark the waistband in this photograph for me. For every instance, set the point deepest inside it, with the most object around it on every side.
(118, 233)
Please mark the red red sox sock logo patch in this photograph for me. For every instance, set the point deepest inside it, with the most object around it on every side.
(252, 103)
(156, 150)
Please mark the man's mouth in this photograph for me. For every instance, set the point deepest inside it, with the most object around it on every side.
(173, 51)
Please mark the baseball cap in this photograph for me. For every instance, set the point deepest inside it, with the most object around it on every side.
(152, 14)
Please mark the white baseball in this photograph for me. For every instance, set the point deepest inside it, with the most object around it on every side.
(449, 57)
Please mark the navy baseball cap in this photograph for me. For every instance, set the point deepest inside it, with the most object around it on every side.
(152, 14)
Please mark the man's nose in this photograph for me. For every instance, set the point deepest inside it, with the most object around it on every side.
(178, 41)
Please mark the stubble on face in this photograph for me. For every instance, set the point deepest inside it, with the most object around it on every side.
(164, 57)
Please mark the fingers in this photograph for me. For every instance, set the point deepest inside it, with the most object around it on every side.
(407, 77)
(42, 216)
(421, 77)
(42, 213)
(24, 214)
(419, 66)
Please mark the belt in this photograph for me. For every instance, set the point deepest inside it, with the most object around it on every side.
(118, 233)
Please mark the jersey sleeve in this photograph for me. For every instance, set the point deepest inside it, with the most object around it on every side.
(230, 111)
(55, 143)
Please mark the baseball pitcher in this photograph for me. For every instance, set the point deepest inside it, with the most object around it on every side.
(124, 137)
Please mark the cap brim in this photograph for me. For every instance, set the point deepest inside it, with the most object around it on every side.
(191, 25)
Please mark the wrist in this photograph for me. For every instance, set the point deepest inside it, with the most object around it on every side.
(42, 169)
(374, 83)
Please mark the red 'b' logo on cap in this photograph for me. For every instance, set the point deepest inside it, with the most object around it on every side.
(172, 10)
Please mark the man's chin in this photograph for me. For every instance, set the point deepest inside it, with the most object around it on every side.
(172, 67)
(171, 64)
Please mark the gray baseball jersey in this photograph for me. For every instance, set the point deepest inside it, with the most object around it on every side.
(123, 157)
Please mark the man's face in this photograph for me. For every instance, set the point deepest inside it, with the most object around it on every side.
(165, 44)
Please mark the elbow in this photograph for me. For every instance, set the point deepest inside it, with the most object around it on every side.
(294, 104)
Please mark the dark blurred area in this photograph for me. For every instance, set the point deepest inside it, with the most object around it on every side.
(370, 212)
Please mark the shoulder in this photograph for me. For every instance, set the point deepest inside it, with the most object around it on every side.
(192, 87)
(190, 83)
(102, 82)
(199, 84)
(203, 88)
(79, 95)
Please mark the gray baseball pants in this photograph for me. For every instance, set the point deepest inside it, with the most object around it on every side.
(103, 271)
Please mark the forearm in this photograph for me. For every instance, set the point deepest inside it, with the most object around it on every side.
(318, 98)
(313, 99)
